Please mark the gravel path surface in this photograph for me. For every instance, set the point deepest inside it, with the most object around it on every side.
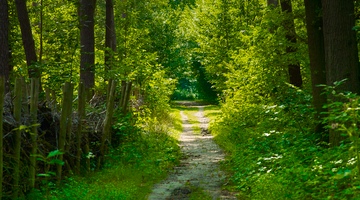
(199, 166)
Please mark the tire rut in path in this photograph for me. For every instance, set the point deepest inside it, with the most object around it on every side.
(199, 166)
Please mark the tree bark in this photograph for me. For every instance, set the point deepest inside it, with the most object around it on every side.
(341, 52)
(126, 97)
(27, 38)
(4, 41)
(110, 36)
(79, 133)
(272, 3)
(2, 95)
(87, 41)
(34, 102)
(315, 34)
(17, 146)
(293, 69)
(65, 122)
(106, 137)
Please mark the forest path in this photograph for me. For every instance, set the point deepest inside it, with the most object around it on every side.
(198, 169)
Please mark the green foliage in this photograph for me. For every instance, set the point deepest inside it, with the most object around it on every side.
(198, 193)
(131, 169)
(276, 155)
(50, 160)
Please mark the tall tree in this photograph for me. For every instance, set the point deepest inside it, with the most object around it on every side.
(293, 68)
(27, 38)
(341, 52)
(110, 36)
(315, 34)
(87, 41)
(2, 95)
(4, 73)
(4, 40)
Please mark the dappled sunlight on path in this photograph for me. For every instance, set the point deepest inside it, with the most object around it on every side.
(199, 167)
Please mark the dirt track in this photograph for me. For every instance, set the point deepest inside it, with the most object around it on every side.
(199, 167)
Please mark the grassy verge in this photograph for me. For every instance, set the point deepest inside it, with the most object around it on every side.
(190, 112)
(198, 193)
(213, 113)
(193, 119)
(132, 169)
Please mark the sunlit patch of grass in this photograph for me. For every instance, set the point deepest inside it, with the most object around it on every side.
(130, 172)
(122, 182)
(190, 112)
(212, 112)
(193, 120)
(176, 128)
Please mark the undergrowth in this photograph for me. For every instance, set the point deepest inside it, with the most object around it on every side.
(274, 153)
(142, 159)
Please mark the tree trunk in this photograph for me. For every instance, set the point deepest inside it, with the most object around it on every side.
(293, 69)
(315, 34)
(17, 145)
(87, 41)
(341, 52)
(126, 98)
(272, 3)
(27, 38)
(106, 137)
(110, 36)
(2, 95)
(79, 133)
(123, 92)
(4, 41)
(34, 97)
(65, 121)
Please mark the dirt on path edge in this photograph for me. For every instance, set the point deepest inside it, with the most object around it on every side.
(198, 168)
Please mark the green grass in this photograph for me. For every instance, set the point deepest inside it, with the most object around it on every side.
(193, 120)
(176, 128)
(199, 194)
(190, 112)
(212, 112)
(131, 170)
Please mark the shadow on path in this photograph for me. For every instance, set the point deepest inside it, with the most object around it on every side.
(199, 166)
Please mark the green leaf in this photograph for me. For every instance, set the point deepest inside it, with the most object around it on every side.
(54, 153)
(56, 161)
(44, 175)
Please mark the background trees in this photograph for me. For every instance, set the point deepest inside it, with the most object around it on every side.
(266, 122)
(248, 55)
